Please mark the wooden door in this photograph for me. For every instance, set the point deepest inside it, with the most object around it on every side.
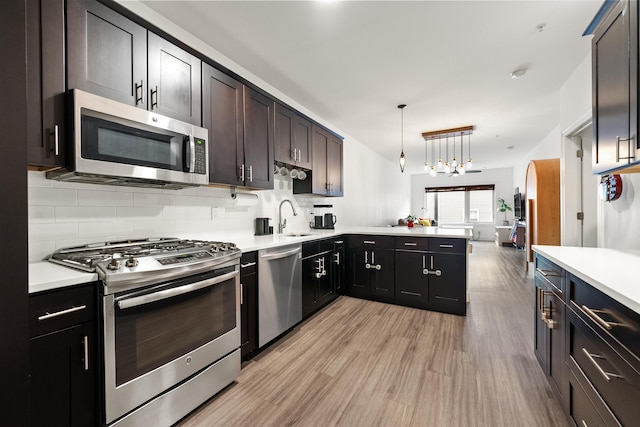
(258, 139)
(223, 116)
(106, 53)
(174, 81)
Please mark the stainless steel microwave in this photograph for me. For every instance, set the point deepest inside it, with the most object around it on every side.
(119, 144)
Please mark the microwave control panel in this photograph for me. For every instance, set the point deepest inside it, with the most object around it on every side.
(201, 156)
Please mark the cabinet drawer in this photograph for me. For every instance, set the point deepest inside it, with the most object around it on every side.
(549, 273)
(447, 245)
(581, 409)
(316, 247)
(60, 309)
(608, 317)
(617, 383)
(381, 242)
(412, 243)
(249, 262)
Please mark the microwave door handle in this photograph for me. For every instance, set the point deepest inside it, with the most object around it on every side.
(187, 149)
(172, 292)
(192, 151)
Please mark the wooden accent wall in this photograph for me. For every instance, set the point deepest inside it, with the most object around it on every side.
(543, 204)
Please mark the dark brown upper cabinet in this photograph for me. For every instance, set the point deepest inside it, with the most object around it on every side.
(112, 56)
(240, 123)
(615, 90)
(292, 138)
(46, 83)
(326, 166)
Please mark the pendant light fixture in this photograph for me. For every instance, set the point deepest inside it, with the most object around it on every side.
(403, 158)
(453, 165)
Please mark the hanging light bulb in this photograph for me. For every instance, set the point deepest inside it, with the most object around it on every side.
(469, 162)
(454, 161)
(461, 165)
(403, 158)
(426, 156)
(433, 171)
(461, 168)
(439, 167)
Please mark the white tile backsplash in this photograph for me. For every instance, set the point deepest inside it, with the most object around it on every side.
(84, 213)
(104, 198)
(52, 196)
(98, 229)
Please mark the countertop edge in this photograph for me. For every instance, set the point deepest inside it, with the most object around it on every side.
(606, 282)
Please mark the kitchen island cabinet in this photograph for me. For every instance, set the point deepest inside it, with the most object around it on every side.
(62, 357)
(591, 331)
(318, 276)
(370, 268)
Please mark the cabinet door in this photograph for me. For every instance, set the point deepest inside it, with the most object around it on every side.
(411, 282)
(325, 290)
(284, 135)
(447, 290)
(223, 116)
(62, 383)
(613, 91)
(46, 78)
(540, 328)
(249, 306)
(258, 139)
(334, 165)
(338, 267)
(106, 53)
(382, 273)
(556, 369)
(174, 81)
(302, 137)
(319, 183)
(359, 283)
(309, 270)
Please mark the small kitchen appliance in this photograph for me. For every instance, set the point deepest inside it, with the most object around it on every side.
(323, 220)
(262, 227)
(152, 291)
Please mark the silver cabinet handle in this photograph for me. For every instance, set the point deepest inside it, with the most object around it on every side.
(369, 242)
(446, 246)
(86, 352)
(378, 267)
(241, 294)
(592, 358)
(373, 257)
(56, 139)
(425, 270)
(599, 320)
(629, 156)
(172, 292)
(410, 244)
(249, 264)
(139, 91)
(250, 173)
(584, 424)
(154, 94)
(242, 172)
(48, 315)
(337, 258)
(431, 264)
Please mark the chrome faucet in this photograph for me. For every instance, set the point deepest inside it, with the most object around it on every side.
(282, 223)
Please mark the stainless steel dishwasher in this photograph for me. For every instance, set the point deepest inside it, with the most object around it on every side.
(279, 290)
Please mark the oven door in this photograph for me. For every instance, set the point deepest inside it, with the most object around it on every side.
(161, 335)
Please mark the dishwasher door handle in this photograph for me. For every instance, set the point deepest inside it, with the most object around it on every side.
(278, 255)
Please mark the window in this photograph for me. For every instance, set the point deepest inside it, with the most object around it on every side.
(462, 204)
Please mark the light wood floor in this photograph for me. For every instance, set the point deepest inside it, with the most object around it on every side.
(362, 363)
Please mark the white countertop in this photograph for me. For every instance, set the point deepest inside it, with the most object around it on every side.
(45, 275)
(611, 271)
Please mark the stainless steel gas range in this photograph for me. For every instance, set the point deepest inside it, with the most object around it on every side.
(170, 314)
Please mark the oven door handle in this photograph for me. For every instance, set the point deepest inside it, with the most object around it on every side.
(168, 293)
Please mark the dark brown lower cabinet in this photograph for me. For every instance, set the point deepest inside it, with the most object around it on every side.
(62, 358)
(249, 306)
(320, 275)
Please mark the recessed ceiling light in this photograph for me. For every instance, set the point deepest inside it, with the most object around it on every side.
(541, 27)
(510, 147)
(516, 74)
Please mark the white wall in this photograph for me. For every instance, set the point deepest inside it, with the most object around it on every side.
(619, 221)
(548, 148)
(502, 179)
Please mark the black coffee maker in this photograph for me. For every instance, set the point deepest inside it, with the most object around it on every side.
(323, 220)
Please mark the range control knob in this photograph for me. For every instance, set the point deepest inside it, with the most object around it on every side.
(114, 264)
(131, 262)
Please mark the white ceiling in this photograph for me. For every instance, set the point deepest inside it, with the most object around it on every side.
(353, 62)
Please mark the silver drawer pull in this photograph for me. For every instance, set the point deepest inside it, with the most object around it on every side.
(592, 358)
(446, 246)
(415, 294)
(48, 315)
(370, 242)
(249, 264)
(584, 424)
(85, 343)
(599, 320)
(411, 244)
